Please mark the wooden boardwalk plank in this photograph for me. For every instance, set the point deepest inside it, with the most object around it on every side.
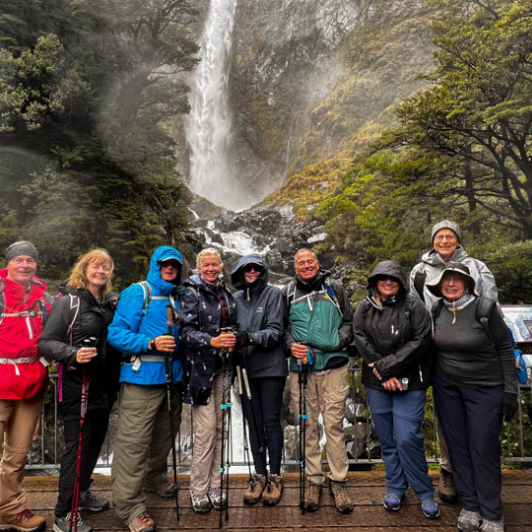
(365, 488)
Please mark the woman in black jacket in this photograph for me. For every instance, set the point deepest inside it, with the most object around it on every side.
(474, 388)
(259, 317)
(392, 333)
(84, 311)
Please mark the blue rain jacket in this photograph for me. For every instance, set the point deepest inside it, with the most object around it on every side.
(131, 331)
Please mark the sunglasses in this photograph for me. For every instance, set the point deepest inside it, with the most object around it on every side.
(253, 267)
(387, 278)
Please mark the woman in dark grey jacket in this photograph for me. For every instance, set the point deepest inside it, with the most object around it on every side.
(474, 388)
(392, 333)
(259, 317)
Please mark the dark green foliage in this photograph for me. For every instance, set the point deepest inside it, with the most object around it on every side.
(463, 151)
(86, 89)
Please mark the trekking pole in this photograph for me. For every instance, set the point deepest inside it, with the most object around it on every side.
(262, 447)
(85, 381)
(246, 446)
(225, 407)
(302, 382)
(169, 378)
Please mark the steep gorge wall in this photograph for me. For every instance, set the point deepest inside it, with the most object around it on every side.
(312, 81)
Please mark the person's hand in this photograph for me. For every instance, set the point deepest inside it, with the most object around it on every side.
(375, 371)
(85, 354)
(509, 406)
(393, 384)
(224, 340)
(165, 343)
(242, 338)
(299, 351)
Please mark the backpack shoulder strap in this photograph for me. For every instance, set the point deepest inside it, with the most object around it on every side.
(74, 312)
(147, 291)
(290, 293)
(436, 309)
(419, 284)
(483, 312)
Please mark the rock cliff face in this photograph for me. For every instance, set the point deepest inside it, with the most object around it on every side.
(312, 81)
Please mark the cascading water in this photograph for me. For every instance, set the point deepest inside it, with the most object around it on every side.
(209, 125)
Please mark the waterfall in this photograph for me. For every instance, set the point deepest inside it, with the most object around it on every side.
(209, 125)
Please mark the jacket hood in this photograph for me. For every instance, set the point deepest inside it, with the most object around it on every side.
(237, 275)
(391, 268)
(154, 274)
(314, 283)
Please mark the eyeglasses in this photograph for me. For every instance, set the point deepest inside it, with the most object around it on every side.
(253, 267)
(170, 264)
(385, 278)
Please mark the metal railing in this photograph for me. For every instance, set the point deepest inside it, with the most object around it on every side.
(516, 437)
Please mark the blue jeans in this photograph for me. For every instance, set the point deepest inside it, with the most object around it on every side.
(397, 417)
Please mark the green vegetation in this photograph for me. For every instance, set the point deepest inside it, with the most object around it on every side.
(462, 149)
(86, 89)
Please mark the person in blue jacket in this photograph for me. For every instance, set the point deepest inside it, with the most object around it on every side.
(260, 336)
(143, 441)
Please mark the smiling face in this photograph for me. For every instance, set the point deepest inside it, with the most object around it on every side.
(453, 286)
(387, 286)
(210, 268)
(97, 274)
(252, 272)
(170, 270)
(306, 265)
(21, 269)
(445, 244)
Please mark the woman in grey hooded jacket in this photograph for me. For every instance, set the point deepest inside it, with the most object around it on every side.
(259, 317)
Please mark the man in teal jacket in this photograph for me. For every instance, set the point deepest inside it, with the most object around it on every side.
(318, 333)
(143, 441)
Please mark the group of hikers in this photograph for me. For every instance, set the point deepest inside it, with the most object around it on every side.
(169, 340)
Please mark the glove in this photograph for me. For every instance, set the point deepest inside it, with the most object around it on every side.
(509, 406)
(242, 338)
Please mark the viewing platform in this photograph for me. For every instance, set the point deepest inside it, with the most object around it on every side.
(365, 488)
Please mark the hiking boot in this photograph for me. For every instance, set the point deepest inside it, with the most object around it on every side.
(62, 524)
(274, 490)
(341, 499)
(89, 501)
(392, 502)
(312, 497)
(446, 488)
(142, 523)
(468, 521)
(218, 498)
(254, 490)
(25, 521)
(201, 504)
(430, 508)
(166, 490)
(492, 526)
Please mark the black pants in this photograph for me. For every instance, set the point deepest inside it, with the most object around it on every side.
(471, 419)
(94, 432)
(267, 401)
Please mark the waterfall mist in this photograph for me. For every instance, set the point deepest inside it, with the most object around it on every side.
(209, 125)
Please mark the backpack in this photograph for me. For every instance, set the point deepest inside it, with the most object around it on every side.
(42, 305)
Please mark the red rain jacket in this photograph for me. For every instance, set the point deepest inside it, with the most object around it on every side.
(21, 324)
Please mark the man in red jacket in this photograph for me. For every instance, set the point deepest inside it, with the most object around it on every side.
(23, 379)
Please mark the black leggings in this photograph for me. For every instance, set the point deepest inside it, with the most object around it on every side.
(267, 401)
(94, 431)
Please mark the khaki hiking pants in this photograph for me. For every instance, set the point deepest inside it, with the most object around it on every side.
(326, 393)
(19, 426)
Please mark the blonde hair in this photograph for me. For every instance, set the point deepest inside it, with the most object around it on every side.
(208, 251)
(78, 276)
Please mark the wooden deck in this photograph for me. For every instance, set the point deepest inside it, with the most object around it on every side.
(365, 488)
